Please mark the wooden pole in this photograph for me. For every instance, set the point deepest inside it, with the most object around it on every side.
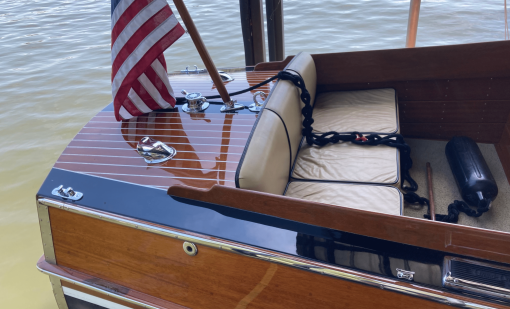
(412, 24)
(275, 37)
(202, 50)
(252, 25)
(431, 193)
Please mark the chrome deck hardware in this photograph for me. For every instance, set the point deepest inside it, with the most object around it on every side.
(405, 274)
(256, 106)
(196, 71)
(477, 278)
(225, 77)
(154, 151)
(231, 106)
(196, 102)
(68, 194)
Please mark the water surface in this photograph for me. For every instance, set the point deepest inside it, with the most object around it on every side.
(55, 75)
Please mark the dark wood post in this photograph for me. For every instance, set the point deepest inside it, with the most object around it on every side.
(252, 24)
(202, 50)
(275, 36)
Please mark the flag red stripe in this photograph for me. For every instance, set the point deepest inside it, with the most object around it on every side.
(158, 48)
(127, 16)
(140, 34)
(158, 83)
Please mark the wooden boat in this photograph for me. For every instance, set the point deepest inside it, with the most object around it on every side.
(211, 228)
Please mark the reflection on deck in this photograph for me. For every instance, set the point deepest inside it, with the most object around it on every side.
(209, 145)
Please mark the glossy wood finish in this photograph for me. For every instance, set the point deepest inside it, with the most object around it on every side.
(209, 145)
(211, 279)
(446, 237)
(108, 287)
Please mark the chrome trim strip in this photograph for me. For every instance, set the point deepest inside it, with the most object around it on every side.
(46, 237)
(58, 291)
(315, 267)
(49, 252)
(463, 285)
(95, 289)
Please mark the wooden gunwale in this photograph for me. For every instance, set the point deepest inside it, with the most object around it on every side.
(446, 237)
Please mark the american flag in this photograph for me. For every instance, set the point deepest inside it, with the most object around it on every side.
(141, 31)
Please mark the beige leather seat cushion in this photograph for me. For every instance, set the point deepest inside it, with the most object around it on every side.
(348, 162)
(372, 110)
(382, 199)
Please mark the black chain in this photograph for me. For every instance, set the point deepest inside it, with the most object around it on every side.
(391, 140)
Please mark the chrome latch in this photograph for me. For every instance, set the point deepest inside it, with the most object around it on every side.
(405, 274)
(256, 106)
(68, 194)
(154, 151)
(225, 77)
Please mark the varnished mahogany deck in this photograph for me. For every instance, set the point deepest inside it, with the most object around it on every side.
(209, 145)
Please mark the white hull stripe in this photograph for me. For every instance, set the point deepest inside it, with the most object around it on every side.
(93, 299)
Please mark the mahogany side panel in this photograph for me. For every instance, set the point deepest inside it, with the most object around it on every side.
(479, 60)
(446, 237)
(503, 149)
(480, 132)
(158, 266)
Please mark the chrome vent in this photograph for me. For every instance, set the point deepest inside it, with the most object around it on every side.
(476, 277)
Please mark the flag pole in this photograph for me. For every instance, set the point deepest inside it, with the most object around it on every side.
(206, 58)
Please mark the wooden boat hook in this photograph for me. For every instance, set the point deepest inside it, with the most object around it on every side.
(432, 208)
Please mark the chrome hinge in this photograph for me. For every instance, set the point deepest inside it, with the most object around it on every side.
(405, 274)
(68, 193)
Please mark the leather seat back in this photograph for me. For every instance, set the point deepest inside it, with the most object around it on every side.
(285, 98)
(265, 164)
(274, 141)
